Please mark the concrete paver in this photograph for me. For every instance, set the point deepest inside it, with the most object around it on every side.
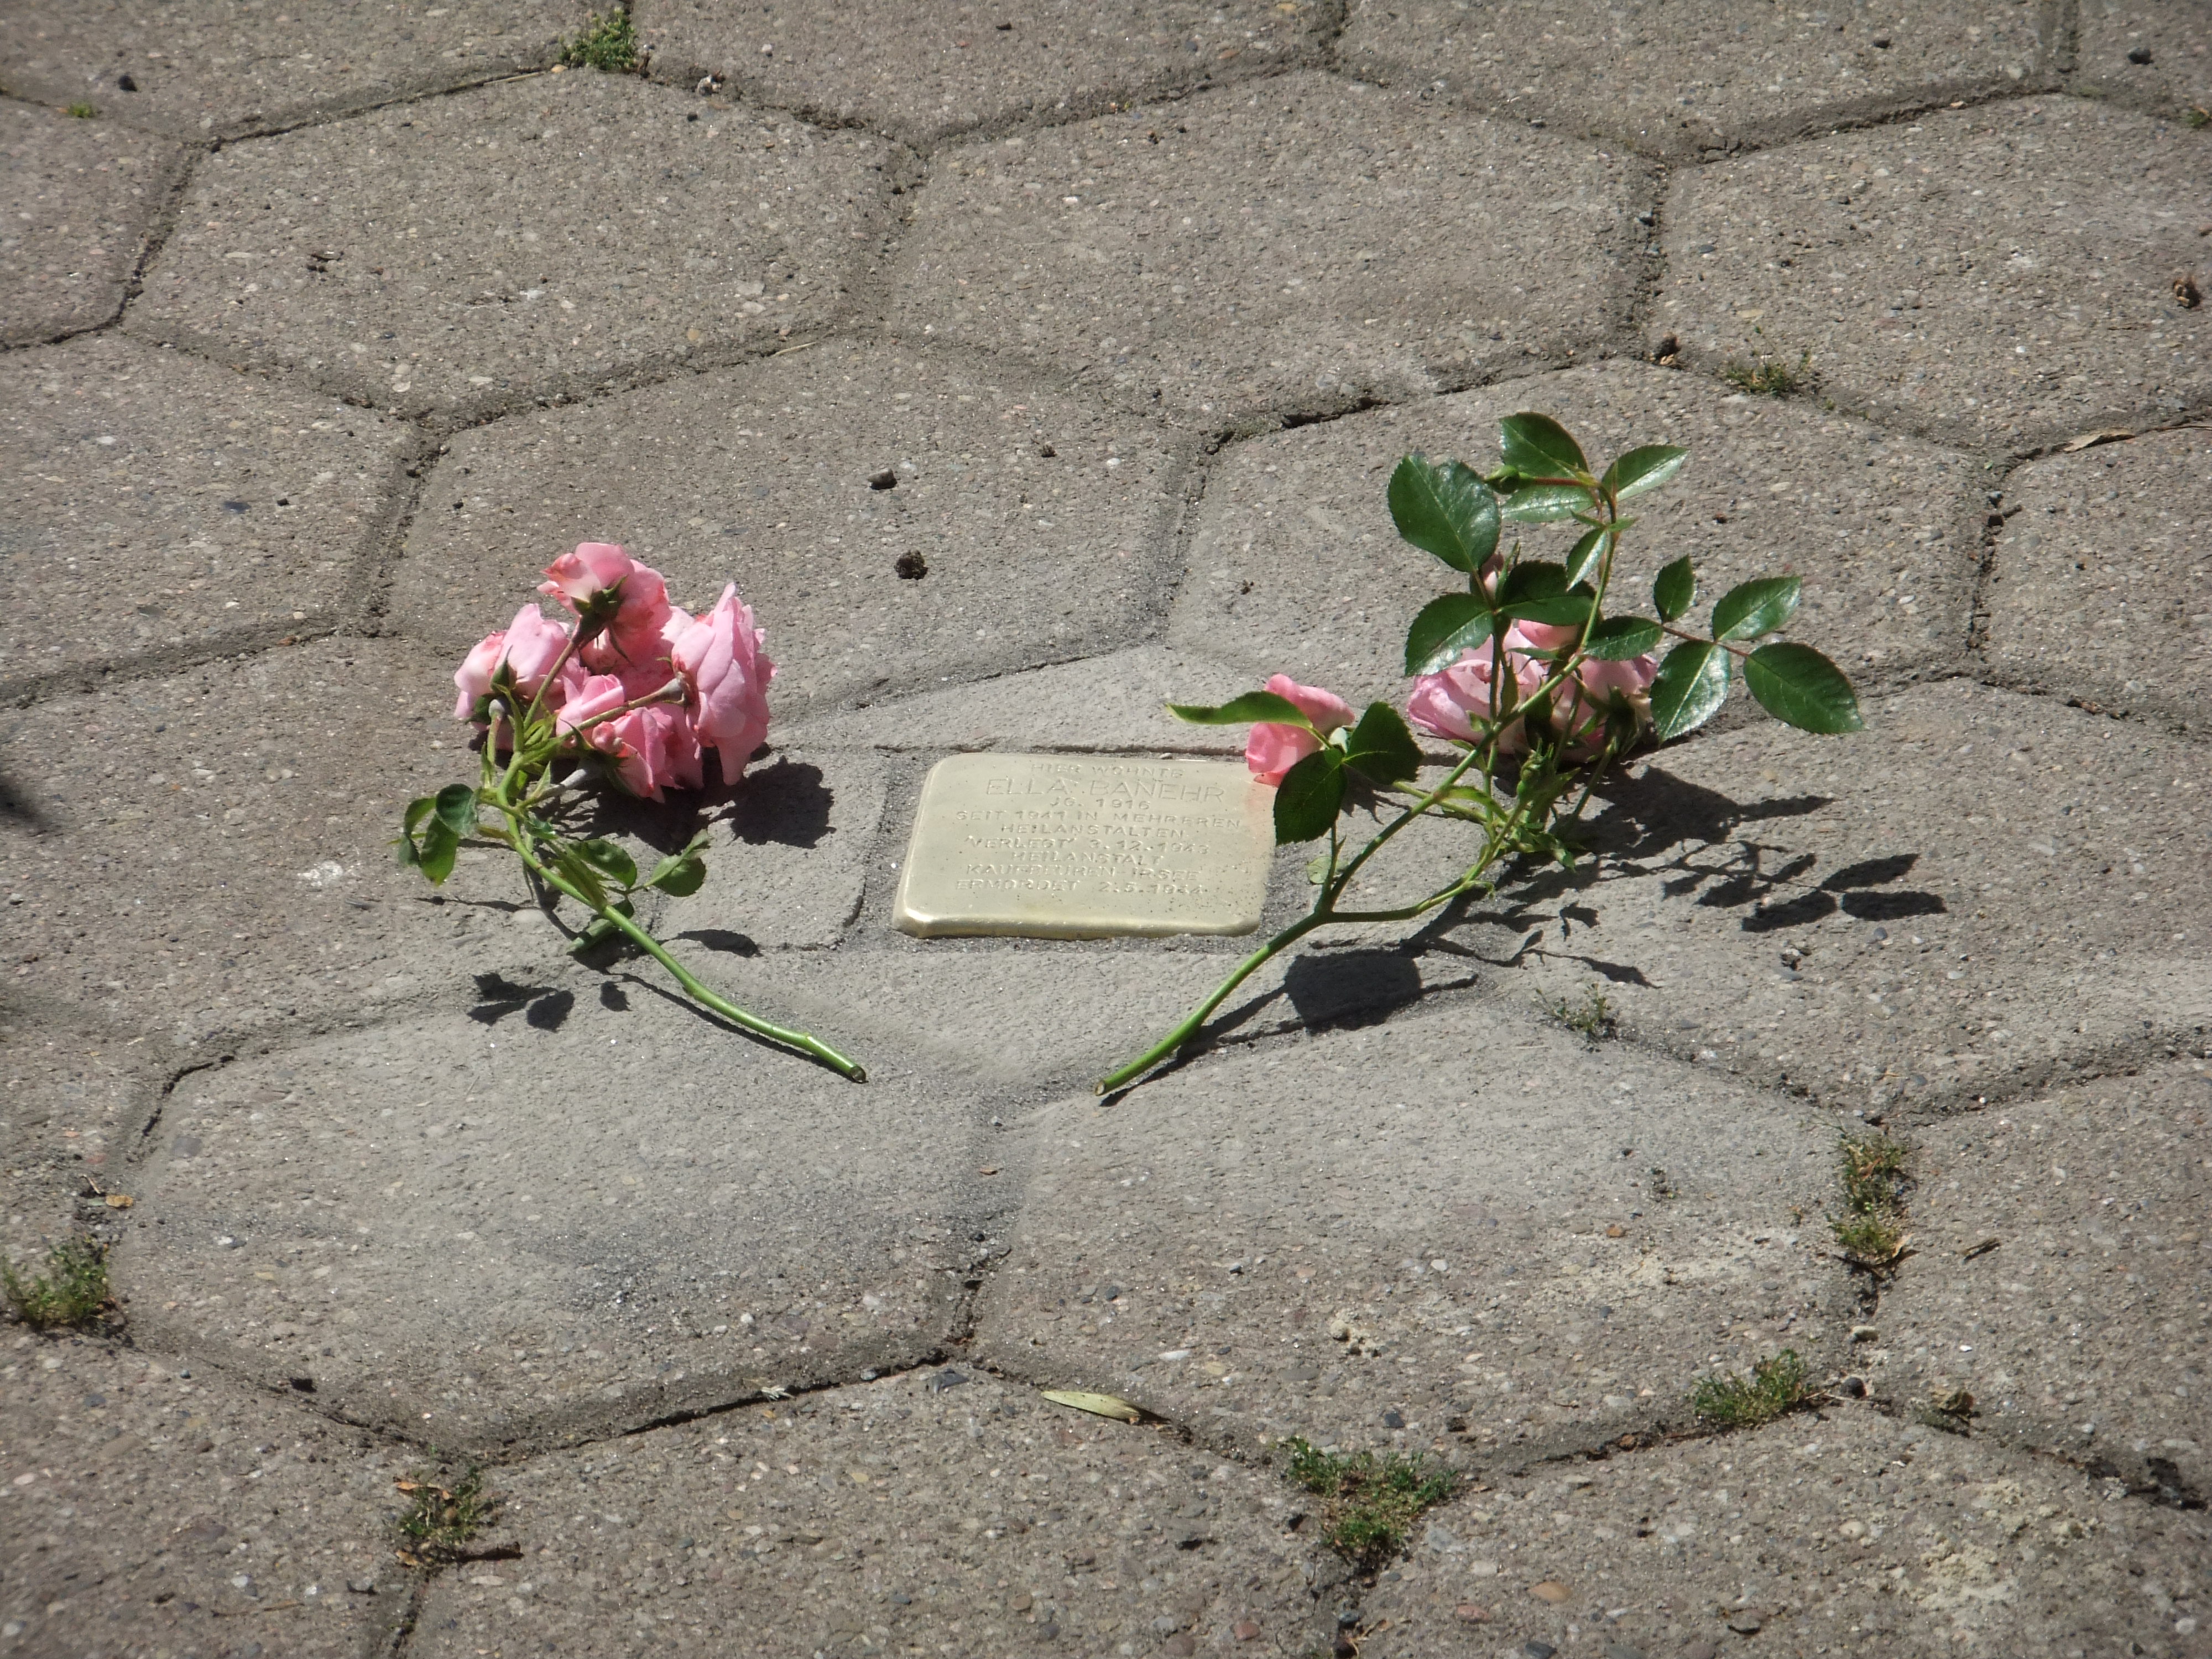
(150, 1508)
(2096, 593)
(277, 895)
(2154, 55)
(2002, 276)
(1843, 1532)
(943, 1510)
(1440, 1231)
(634, 225)
(72, 1096)
(182, 69)
(1296, 245)
(921, 73)
(2080, 1330)
(166, 506)
(1295, 567)
(1669, 79)
(806, 480)
(574, 1211)
(76, 200)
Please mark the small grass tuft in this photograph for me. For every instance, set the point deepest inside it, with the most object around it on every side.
(72, 1291)
(1768, 377)
(1777, 1386)
(439, 1520)
(1871, 1231)
(1591, 1018)
(608, 43)
(1370, 1505)
(83, 112)
(2196, 116)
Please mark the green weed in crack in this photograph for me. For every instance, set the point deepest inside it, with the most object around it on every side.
(72, 1291)
(1369, 1503)
(1872, 1172)
(1775, 1388)
(608, 43)
(1768, 377)
(1591, 1018)
(440, 1521)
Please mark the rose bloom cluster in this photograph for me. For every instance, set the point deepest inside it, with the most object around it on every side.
(636, 686)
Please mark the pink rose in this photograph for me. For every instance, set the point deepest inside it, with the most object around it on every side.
(474, 675)
(1274, 748)
(621, 607)
(720, 659)
(534, 643)
(1449, 702)
(599, 694)
(1579, 707)
(654, 748)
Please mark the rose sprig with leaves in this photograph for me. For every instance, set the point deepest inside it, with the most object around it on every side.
(625, 693)
(1527, 673)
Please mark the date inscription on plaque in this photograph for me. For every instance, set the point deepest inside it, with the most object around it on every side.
(1082, 847)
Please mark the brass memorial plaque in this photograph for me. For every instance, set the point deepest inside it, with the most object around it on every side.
(1080, 847)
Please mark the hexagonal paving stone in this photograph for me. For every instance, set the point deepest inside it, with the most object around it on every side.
(166, 506)
(2058, 1276)
(126, 1522)
(267, 792)
(570, 1216)
(1295, 567)
(1296, 245)
(2004, 275)
(1843, 1531)
(1981, 891)
(624, 232)
(807, 480)
(918, 74)
(1674, 78)
(1440, 1230)
(185, 70)
(944, 1509)
(76, 201)
(2098, 590)
(2154, 53)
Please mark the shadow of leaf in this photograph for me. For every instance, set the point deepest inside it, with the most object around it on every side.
(1350, 987)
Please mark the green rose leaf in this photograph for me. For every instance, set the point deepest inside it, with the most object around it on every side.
(1750, 609)
(1616, 639)
(1538, 447)
(1545, 503)
(1309, 797)
(1243, 711)
(1532, 578)
(1560, 611)
(439, 844)
(578, 872)
(1796, 683)
(457, 809)
(601, 929)
(1692, 683)
(681, 874)
(1585, 554)
(1676, 591)
(1446, 627)
(1381, 747)
(610, 861)
(1644, 469)
(1445, 510)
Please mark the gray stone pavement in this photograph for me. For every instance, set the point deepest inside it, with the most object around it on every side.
(324, 329)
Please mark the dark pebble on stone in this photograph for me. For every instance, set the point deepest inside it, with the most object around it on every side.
(1852, 1387)
(1536, 1650)
(886, 479)
(1392, 1420)
(2138, 55)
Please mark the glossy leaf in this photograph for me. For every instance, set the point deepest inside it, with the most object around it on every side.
(1446, 627)
(1676, 591)
(1750, 609)
(439, 844)
(610, 861)
(1692, 685)
(682, 872)
(1644, 469)
(1560, 611)
(1538, 447)
(1586, 554)
(1381, 747)
(1309, 797)
(1797, 684)
(1616, 639)
(1544, 504)
(457, 808)
(1532, 578)
(1445, 510)
(1243, 711)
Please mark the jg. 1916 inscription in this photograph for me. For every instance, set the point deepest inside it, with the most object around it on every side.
(1078, 847)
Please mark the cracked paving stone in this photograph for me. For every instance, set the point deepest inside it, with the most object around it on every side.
(1840, 1531)
(2079, 1325)
(558, 1214)
(2001, 277)
(1981, 891)
(73, 1095)
(1300, 244)
(1681, 79)
(2096, 593)
(150, 1507)
(623, 234)
(242, 784)
(2154, 53)
(765, 473)
(918, 73)
(1295, 566)
(78, 198)
(942, 1508)
(197, 72)
(164, 505)
(1448, 1219)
